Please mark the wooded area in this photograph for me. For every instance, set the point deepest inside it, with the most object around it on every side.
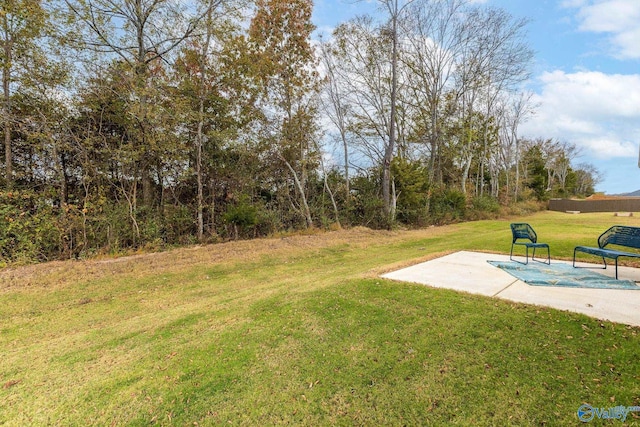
(145, 123)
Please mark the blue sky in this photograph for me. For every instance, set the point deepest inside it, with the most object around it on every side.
(585, 76)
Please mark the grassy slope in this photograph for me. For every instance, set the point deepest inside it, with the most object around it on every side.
(301, 330)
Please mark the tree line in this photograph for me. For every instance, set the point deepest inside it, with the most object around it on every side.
(143, 123)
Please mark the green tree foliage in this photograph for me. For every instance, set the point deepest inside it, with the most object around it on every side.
(172, 122)
(280, 34)
(447, 205)
(27, 232)
(22, 24)
(535, 173)
(242, 216)
(411, 182)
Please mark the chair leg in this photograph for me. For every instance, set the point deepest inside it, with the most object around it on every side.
(548, 261)
(603, 260)
(515, 260)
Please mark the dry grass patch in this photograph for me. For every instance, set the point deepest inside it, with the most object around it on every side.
(62, 273)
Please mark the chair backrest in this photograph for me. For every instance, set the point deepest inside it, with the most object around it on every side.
(522, 230)
(620, 235)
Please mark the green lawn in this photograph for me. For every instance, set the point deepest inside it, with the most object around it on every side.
(301, 330)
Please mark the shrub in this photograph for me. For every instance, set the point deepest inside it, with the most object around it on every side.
(241, 216)
(483, 207)
(29, 229)
(179, 225)
(367, 207)
(526, 207)
(447, 205)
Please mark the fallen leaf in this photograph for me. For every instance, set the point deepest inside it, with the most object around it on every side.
(11, 383)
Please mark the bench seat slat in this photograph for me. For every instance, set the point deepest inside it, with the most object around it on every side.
(608, 253)
(618, 235)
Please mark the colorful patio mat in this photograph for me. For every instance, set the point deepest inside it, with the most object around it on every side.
(560, 274)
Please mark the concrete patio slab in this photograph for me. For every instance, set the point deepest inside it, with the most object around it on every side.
(470, 272)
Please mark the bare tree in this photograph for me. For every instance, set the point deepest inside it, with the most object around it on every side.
(368, 77)
(395, 11)
(203, 50)
(560, 156)
(335, 105)
(587, 178)
(494, 60)
(516, 110)
(364, 75)
(435, 36)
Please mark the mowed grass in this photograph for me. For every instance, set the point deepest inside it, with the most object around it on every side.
(302, 331)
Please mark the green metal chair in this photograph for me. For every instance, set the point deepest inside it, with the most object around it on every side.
(523, 234)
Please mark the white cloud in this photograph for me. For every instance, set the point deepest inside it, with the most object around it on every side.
(614, 147)
(628, 42)
(618, 18)
(572, 3)
(598, 112)
(594, 94)
(609, 16)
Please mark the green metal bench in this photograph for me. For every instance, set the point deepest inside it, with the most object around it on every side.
(619, 235)
(523, 234)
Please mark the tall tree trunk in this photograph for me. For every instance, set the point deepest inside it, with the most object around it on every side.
(212, 214)
(7, 116)
(303, 196)
(201, 115)
(200, 200)
(147, 185)
(390, 148)
(465, 174)
(60, 167)
(199, 144)
(326, 186)
(346, 168)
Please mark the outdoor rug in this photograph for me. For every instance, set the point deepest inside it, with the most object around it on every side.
(559, 274)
